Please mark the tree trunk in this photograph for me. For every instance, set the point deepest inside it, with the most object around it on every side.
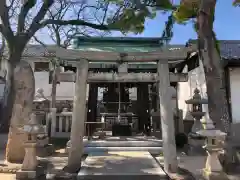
(214, 74)
(22, 108)
(54, 88)
(9, 96)
(56, 71)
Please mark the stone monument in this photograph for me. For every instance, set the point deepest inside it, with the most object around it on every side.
(24, 88)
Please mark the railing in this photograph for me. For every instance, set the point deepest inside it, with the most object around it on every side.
(61, 124)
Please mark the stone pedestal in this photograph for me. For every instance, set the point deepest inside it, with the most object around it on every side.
(27, 175)
(30, 159)
(213, 169)
(29, 168)
(197, 126)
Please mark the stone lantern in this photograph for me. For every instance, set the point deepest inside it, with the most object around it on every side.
(41, 107)
(196, 141)
(30, 168)
(213, 169)
(197, 113)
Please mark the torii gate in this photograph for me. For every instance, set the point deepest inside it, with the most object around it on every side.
(163, 77)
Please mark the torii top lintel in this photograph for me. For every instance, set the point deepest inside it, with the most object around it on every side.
(116, 49)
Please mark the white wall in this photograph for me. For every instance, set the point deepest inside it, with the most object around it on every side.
(65, 90)
(196, 79)
(235, 93)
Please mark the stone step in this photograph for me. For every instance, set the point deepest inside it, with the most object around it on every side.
(121, 165)
(104, 143)
(152, 150)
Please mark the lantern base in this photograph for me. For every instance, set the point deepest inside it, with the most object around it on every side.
(24, 174)
(210, 175)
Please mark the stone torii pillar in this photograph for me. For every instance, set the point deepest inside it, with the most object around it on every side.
(78, 117)
(167, 122)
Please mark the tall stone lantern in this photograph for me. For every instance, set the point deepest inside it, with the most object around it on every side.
(196, 141)
(29, 168)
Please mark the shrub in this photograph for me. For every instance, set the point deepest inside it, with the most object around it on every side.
(181, 139)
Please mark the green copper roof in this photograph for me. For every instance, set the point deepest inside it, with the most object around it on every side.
(117, 44)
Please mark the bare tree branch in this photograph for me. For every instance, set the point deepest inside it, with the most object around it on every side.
(23, 13)
(6, 28)
(39, 41)
(78, 23)
(35, 26)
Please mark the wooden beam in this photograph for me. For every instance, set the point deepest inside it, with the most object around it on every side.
(122, 77)
(170, 54)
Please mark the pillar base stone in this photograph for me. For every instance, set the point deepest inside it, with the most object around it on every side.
(27, 174)
(208, 175)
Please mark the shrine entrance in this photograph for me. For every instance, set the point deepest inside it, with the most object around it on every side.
(123, 107)
(117, 71)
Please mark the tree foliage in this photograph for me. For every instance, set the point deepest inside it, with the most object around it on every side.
(22, 19)
(236, 2)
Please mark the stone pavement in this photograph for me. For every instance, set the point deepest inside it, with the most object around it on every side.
(126, 165)
(4, 176)
(194, 164)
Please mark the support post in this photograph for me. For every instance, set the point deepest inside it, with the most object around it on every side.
(167, 122)
(78, 117)
(92, 106)
(53, 121)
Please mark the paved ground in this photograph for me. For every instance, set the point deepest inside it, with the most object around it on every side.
(7, 176)
(4, 176)
(194, 164)
(126, 165)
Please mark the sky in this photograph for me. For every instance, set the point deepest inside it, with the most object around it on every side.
(226, 26)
